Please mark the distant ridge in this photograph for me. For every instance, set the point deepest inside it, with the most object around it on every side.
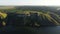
(37, 8)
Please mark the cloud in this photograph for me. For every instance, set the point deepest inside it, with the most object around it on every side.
(31, 2)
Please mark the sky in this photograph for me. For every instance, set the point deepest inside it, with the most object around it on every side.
(30, 2)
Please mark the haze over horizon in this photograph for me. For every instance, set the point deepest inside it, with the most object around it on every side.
(30, 2)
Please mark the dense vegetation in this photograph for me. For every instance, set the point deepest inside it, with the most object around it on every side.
(46, 16)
